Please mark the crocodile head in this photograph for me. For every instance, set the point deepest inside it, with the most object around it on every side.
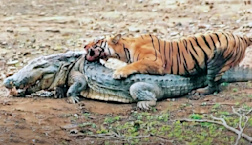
(43, 73)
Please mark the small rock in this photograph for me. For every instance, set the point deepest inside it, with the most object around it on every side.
(201, 110)
(9, 30)
(12, 62)
(12, 68)
(203, 26)
(53, 30)
(42, 14)
(155, 30)
(69, 126)
(33, 40)
(4, 43)
(249, 25)
(221, 26)
(133, 29)
(74, 131)
(178, 24)
(174, 33)
(58, 48)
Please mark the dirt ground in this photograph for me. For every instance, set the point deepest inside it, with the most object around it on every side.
(31, 28)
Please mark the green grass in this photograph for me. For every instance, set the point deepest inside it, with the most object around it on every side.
(153, 125)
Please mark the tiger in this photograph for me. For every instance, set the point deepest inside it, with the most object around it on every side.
(210, 54)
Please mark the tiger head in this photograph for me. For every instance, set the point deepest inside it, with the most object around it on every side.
(101, 48)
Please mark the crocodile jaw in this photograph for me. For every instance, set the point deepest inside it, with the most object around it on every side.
(29, 87)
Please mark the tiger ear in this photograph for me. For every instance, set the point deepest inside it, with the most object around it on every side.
(116, 39)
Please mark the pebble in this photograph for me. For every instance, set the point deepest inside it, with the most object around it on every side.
(3, 43)
(12, 62)
(174, 33)
(74, 131)
(52, 30)
(249, 25)
(133, 29)
(76, 115)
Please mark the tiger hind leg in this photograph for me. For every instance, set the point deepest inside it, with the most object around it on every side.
(215, 69)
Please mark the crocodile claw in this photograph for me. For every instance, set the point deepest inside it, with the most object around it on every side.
(146, 105)
(73, 99)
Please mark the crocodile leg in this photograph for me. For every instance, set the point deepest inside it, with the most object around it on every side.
(77, 84)
(146, 94)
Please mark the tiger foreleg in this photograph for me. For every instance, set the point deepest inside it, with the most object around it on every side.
(142, 66)
(146, 94)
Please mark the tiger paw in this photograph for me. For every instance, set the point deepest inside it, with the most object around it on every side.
(119, 74)
(113, 63)
(206, 91)
(122, 73)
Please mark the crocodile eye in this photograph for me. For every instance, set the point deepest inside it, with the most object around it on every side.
(44, 65)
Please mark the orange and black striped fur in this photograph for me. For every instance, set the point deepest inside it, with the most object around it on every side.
(212, 54)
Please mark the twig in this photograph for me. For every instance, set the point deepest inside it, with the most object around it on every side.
(240, 124)
(106, 136)
(110, 136)
(248, 112)
(163, 138)
(206, 104)
(240, 121)
(223, 122)
(114, 135)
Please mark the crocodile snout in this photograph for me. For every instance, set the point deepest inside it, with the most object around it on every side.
(8, 83)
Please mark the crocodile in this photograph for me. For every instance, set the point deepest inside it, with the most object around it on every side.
(62, 73)
(70, 75)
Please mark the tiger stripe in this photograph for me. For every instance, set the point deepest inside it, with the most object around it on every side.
(211, 53)
(152, 41)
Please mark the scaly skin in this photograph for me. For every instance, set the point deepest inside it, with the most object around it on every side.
(147, 89)
(70, 75)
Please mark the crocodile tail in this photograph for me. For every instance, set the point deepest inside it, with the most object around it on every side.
(238, 74)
